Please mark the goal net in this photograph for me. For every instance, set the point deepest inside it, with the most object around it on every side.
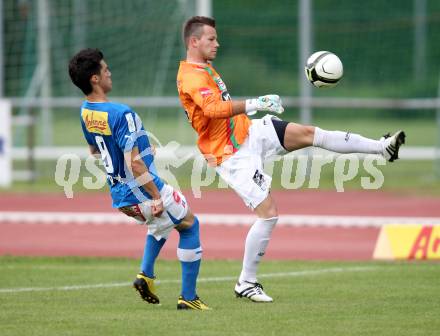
(139, 38)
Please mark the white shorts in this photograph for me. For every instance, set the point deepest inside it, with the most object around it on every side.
(243, 171)
(175, 209)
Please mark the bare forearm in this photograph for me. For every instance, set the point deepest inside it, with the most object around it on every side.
(94, 151)
(144, 178)
(250, 106)
(238, 107)
(224, 109)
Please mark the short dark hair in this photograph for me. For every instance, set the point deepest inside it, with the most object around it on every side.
(194, 25)
(83, 66)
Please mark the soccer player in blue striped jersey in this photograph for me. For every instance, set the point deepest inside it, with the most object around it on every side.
(115, 133)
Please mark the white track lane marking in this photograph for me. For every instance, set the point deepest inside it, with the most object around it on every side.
(105, 218)
(209, 279)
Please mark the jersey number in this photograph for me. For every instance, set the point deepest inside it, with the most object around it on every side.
(105, 154)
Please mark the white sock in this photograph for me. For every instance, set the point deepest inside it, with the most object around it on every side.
(346, 142)
(256, 242)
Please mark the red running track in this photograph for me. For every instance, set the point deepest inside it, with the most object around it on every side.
(219, 241)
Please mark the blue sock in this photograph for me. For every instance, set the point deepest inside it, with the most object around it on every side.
(151, 251)
(189, 253)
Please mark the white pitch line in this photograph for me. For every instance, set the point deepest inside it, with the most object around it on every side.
(62, 288)
(210, 279)
(105, 218)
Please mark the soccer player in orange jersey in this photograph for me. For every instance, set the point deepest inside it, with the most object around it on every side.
(238, 146)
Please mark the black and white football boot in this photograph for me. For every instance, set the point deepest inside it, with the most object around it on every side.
(391, 145)
(251, 290)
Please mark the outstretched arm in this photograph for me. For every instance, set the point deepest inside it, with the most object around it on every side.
(216, 108)
(214, 105)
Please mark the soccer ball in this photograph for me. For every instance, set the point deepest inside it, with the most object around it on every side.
(324, 69)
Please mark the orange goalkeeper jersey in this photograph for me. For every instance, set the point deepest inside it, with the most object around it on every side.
(208, 106)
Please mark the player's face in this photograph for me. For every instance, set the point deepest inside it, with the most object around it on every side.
(207, 45)
(105, 77)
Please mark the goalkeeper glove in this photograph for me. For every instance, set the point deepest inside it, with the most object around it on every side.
(270, 103)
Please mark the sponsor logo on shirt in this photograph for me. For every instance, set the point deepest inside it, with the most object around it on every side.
(226, 96)
(205, 92)
(96, 121)
(220, 84)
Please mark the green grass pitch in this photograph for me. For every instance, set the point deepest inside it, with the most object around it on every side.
(89, 296)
